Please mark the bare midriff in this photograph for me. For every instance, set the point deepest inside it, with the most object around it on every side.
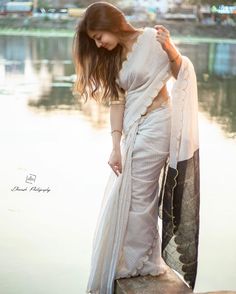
(161, 97)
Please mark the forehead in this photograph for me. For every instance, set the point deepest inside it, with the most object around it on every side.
(92, 33)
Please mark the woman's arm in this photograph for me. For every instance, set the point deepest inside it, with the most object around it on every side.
(117, 108)
(175, 59)
(116, 121)
(163, 36)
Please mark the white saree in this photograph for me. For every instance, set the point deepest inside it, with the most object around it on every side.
(143, 75)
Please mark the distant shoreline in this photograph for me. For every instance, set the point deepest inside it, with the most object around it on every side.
(40, 32)
(186, 31)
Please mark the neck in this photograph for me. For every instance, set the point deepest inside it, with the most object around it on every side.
(127, 42)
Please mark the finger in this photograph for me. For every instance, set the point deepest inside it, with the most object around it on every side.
(115, 171)
(162, 29)
(119, 168)
(161, 39)
(159, 27)
(112, 168)
(162, 34)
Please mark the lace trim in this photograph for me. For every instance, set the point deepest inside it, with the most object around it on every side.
(183, 86)
(148, 100)
(141, 263)
(183, 96)
(163, 104)
(128, 56)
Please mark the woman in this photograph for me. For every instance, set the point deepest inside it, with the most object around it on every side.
(155, 168)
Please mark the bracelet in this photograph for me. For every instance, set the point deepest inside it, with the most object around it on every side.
(175, 58)
(116, 131)
(121, 100)
(117, 102)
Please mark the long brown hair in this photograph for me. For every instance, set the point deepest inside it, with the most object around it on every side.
(97, 68)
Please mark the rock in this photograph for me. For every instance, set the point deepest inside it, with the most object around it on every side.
(167, 283)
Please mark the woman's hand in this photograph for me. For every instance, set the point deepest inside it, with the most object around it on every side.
(163, 36)
(115, 161)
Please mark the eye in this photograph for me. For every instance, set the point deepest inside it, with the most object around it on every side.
(98, 37)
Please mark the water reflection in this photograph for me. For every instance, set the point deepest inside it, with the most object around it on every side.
(217, 99)
(217, 87)
(43, 68)
(67, 143)
(215, 65)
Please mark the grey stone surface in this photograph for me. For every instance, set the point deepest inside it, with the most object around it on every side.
(168, 283)
(218, 292)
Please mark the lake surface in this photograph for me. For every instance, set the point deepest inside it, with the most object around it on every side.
(54, 153)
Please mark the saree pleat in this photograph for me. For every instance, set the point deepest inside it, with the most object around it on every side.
(111, 225)
(115, 210)
(141, 248)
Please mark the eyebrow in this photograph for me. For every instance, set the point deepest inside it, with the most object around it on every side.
(95, 35)
(92, 36)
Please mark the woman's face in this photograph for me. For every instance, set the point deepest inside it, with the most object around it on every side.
(104, 39)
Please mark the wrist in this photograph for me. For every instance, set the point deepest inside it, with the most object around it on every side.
(175, 58)
(172, 52)
(118, 131)
(116, 148)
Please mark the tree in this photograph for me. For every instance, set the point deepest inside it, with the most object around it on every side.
(212, 2)
(85, 3)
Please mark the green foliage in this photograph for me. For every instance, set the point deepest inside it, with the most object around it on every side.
(43, 4)
(85, 3)
(212, 2)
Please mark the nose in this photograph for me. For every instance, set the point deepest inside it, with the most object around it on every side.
(99, 44)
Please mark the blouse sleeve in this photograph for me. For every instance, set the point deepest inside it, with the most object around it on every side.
(121, 98)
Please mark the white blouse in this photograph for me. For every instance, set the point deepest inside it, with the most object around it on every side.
(143, 74)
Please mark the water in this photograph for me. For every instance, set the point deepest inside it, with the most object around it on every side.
(51, 141)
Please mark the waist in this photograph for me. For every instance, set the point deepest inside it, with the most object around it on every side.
(157, 102)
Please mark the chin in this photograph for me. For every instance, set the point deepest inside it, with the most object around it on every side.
(111, 47)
